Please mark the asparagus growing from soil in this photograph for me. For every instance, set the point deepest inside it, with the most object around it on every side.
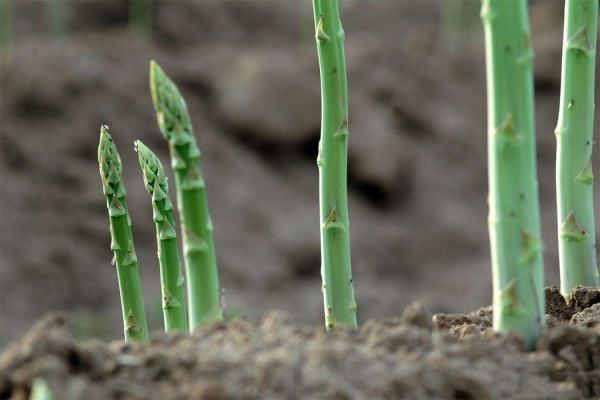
(514, 222)
(338, 292)
(574, 134)
(130, 285)
(204, 300)
(40, 390)
(168, 254)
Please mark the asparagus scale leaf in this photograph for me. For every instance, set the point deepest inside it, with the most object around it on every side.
(574, 135)
(130, 285)
(514, 221)
(171, 279)
(197, 230)
(338, 292)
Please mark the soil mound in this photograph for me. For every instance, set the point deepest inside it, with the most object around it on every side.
(411, 357)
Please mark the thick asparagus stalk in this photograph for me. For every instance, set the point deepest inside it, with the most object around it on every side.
(514, 224)
(198, 243)
(168, 255)
(574, 134)
(130, 285)
(338, 292)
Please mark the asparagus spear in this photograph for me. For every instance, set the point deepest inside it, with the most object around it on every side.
(574, 134)
(514, 223)
(170, 270)
(5, 24)
(196, 226)
(130, 285)
(41, 391)
(338, 292)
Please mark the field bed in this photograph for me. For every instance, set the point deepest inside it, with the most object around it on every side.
(416, 356)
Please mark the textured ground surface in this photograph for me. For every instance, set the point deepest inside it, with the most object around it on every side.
(249, 72)
(416, 356)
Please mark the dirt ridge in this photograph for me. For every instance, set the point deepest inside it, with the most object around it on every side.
(416, 356)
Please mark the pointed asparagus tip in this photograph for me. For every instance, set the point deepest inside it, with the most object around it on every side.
(104, 144)
(108, 159)
(138, 146)
(155, 70)
(151, 167)
(155, 74)
(104, 135)
(170, 107)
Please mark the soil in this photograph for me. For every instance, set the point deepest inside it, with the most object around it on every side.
(416, 356)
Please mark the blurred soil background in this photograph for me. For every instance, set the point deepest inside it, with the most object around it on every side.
(248, 69)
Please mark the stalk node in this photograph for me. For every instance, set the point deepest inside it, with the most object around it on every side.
(580, 42)
(192, 243)
(322, 36)
(586, 175)
(167, 231)
(572, 229)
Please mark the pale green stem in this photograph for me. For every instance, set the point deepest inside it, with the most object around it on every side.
(58, 14)
(514, 222)
(41, 391)
(125, 260)
(5, 24)
(575, 140)
(204, 300)
(338, 292)
(171, 278)
(140, 16)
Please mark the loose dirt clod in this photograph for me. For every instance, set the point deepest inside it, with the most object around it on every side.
(456, 357)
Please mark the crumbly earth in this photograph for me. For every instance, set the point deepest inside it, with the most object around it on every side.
(416, 356)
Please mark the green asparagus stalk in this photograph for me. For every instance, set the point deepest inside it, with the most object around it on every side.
(168, 255)
(196, 226)
(130, 285)
(58, 14)
(41, 391)
(5, 24)
(338, 292)
(514, 222)
(574, 134)
(140, 16)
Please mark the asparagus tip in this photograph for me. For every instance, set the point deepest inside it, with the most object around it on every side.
(151, 167)
(109, 161)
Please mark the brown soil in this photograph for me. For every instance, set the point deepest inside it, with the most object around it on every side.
(416, 356)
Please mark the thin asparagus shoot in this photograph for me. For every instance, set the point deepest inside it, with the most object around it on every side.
(514, 222)
(196, 226)
(336, 272)
(130, 284)
(5, 24)
(171, 278)
(140, 17)
(58, 15)
(575, 139)
(41, 391)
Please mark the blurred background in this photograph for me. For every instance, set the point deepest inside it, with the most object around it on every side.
(249, 72)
